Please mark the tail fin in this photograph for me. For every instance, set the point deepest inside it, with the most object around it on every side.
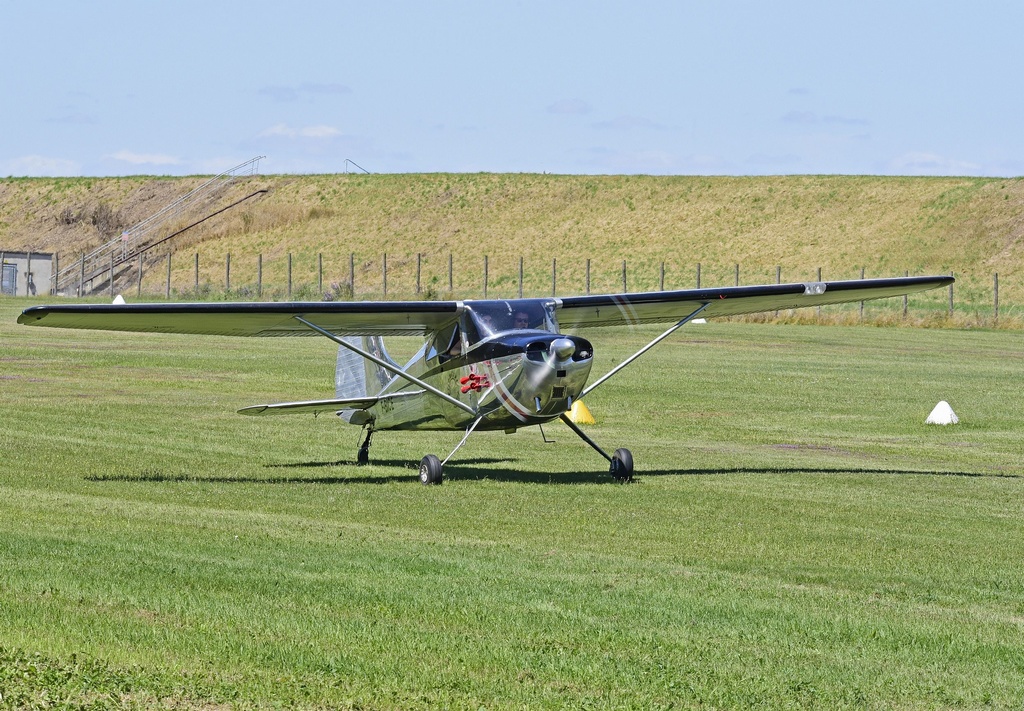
(355, 376)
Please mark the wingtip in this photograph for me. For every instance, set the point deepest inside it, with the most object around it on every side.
(32, 315)
(253, 410)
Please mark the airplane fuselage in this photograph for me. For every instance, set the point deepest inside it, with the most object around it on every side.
(514, 379)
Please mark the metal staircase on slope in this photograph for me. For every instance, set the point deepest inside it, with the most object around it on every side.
(102, 263)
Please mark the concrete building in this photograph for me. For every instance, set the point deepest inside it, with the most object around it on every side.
(25, 273)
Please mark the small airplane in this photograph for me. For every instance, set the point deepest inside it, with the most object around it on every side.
(490, 364)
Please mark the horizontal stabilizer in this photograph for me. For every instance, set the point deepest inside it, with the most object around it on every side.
(310, 406)
(332, 405)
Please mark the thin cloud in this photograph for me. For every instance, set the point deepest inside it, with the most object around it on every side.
(285, 94)
(569, 107)
(36, 166)
(635, 162)
(807, 117)
(924, 163)
(845, 121)
(73, 119)
(282, 94)
(283, 130)
(144, 158)
(327, 89)
(627, 123)
(810, 118)
(602, 159)
(770, 161)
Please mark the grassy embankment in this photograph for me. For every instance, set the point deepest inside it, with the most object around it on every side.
(840, 224)
(797, 536)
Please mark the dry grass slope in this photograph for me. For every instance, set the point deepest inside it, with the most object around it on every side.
(971, 226)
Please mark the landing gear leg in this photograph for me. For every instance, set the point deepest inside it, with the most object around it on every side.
(621, 462)
(430, 465)
(363, 456)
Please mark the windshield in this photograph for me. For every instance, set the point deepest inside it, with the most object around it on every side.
(483, 319)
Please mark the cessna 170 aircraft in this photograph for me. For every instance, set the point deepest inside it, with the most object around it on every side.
(484, 364)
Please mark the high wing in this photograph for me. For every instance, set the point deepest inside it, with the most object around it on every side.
(358, 318)
(669, 306)
(385, 318)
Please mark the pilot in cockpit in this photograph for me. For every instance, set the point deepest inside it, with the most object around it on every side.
(487, 323)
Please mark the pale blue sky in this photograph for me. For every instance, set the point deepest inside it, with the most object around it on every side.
(735, 87)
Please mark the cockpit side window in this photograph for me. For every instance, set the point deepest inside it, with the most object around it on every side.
(447, 342)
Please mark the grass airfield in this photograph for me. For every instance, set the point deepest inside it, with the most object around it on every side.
(796, 536)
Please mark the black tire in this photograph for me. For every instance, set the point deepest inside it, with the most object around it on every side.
(430, 470)
(622, 465)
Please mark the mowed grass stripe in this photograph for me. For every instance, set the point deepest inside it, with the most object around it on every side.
(440, 584)
(797, 536)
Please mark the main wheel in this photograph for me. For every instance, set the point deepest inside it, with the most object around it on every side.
(622, 465)
(430, 470)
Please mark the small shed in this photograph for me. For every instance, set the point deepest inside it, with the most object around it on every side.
(25, 273)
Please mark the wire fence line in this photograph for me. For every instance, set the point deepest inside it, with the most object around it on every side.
(400, 277)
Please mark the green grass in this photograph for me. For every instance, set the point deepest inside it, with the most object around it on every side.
(796, 537)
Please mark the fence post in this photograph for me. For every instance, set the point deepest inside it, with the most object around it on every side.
(56, 272)
(289, 276)
(451, 289)
(81, 280)
(419, 265)
(737, 275)
(139, 291)
(168, 290)
(197, 273)
(995, 292)
(698, 275)
(111, 274)
(862, 303)
(778, 280)
(906, 298)
(520, 277)
(554, 279)
(227, 272)
(259, 275)
(661, 280)
(588, 277)
(352, 273)
(320, 273)
(624, 287)
(819, 279)
(951, 298)
(384, 274)
(485, 276)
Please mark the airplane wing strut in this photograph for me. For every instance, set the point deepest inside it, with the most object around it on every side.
(643, 350)
(388, 366)
(469, 431)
